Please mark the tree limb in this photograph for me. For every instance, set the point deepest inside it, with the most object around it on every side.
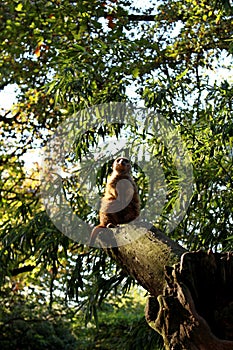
(137, 248)
(26, 268)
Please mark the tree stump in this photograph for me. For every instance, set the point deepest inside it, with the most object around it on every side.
(191, 303)
(196, 308)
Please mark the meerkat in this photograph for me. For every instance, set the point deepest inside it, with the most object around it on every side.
(120, 203)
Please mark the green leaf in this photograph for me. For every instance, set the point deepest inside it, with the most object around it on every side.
(136, 72)
(180, 76)
(19, 7)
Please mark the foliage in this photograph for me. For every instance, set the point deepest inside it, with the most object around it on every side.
(65, 55)
(27, 322)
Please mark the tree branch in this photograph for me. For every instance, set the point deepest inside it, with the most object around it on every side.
(26, 268)
(138, 247)
(139, 18)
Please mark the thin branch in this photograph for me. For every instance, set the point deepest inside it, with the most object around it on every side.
(138, 18)
(26, 268)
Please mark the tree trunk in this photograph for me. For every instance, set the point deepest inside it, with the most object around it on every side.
(191, 303)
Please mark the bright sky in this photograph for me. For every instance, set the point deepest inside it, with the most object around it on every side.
(8, 97)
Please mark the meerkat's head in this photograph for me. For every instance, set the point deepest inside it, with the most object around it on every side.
(122, 165)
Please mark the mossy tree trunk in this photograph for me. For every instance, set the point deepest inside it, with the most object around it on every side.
(191, 302)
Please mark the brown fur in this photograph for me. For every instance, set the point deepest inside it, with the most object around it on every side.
(120, 203)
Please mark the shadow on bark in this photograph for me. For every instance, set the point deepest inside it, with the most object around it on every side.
(196, 308)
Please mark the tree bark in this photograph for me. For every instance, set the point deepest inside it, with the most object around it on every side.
(191, 302)
(142, 253)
